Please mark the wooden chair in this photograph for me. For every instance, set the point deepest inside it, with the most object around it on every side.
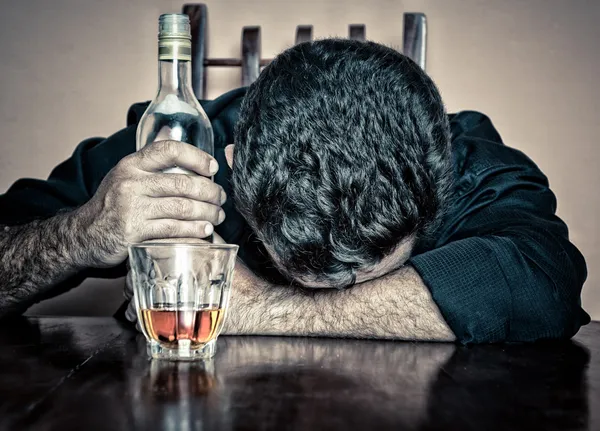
(251, 61)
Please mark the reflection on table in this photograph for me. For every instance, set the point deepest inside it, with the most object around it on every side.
(94, 371)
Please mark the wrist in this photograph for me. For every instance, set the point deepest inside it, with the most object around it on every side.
(95, 242)
(258, 307)
(69, 241)
(248, 296)
(75, 231)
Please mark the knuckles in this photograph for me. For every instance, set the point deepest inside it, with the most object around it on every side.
(178, 207)
(183, 184)
(125, 187)
(165, 230)
(168, 150)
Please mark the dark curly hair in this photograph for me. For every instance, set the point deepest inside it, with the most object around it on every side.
(342, 151)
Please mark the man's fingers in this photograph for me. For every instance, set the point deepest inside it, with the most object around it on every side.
(182, 240)
(168, 228)
(185, 186)
(128, 290)
(217, 239)
(130, 313)
(184, 209)
(166, 154)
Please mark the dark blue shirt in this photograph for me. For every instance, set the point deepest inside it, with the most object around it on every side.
(500, 268)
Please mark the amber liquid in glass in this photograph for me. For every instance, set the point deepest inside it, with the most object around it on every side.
(168, 326)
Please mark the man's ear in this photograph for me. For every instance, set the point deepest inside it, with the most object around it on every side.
(229, 154)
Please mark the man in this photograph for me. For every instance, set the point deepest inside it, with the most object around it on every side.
(361, 209)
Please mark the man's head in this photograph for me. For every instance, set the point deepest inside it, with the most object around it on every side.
(342, 160)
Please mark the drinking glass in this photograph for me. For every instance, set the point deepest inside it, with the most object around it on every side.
(181, 293)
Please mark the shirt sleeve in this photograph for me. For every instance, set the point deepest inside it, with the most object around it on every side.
(503, 268)
(70, 184)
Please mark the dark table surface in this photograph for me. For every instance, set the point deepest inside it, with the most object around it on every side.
(92, 374)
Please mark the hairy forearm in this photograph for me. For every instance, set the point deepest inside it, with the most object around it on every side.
(36, 256)
(396, 306)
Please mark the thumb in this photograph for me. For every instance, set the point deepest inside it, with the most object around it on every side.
(217, 239)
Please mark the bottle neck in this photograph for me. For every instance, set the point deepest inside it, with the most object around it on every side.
(175, 77)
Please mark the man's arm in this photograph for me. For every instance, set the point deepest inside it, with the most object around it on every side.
(41, 250)
(35, 257)
(395, 306)
(134, 203)
(502, 268)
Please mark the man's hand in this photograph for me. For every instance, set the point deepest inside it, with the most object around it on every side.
(136, 202)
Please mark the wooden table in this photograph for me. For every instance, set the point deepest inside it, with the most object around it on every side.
(92, 374)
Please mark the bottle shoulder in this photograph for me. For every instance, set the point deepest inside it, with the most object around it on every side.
(170, 104)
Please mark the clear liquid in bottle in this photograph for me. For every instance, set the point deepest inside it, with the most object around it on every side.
(175, 113)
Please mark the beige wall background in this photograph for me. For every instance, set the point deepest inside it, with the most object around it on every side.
(69, 69)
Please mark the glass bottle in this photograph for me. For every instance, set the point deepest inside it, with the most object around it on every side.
(175, 113)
